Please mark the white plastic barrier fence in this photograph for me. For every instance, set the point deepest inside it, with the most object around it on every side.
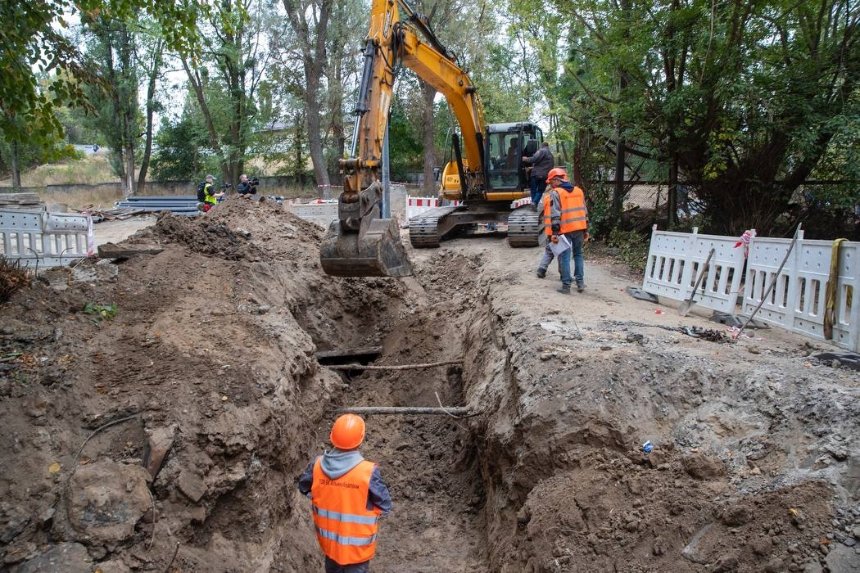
(321, 211)
(675, 261)
(37, 238)
(798, 302)
(417, 205)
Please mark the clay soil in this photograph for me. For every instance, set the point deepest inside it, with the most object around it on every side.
(165, 433)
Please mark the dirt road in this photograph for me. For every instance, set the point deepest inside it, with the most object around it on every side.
(206, 377)
(116, 231)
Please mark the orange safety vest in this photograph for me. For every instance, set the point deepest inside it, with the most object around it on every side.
(574, 216)
(346, 529)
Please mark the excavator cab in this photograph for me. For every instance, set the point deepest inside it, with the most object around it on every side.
(506, 145)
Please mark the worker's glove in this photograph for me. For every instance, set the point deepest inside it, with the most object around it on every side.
(585, 237)
(556, 229)
(554, 238)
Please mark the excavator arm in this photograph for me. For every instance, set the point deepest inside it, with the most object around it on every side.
(360, 242)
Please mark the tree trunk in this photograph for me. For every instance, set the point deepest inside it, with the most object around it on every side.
(16, 167)
(128, 106)
(197, 84)
(429, 93)
(620, 189)
(315, 146)
(580, 151)
(337, 56)
(130, 184)
(231, 69)
(150, 111)
(313, 45)
(672, 197)
(115, 134)
(297, 145)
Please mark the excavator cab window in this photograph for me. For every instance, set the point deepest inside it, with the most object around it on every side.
(506, 157)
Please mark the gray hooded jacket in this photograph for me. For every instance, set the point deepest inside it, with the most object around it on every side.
(336, 463)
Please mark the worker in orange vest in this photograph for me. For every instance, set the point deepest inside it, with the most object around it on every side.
(348, 497)
(565, 214)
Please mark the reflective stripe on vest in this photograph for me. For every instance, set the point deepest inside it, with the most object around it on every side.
(574, 216)
(346, 517)
(345, 540)
(346, 529)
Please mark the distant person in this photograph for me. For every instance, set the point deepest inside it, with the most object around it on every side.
(247, 187)
(541, 162)
(348, 497)
(206, 194)
(565, 214)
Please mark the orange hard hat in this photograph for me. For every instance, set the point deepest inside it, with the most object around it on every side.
(556, 172)
(347, 433)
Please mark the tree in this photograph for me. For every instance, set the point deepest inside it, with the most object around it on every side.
(32, 44)
(308, 21)
(740, 102)
(182, 146)
(111, 62)
(346, 29)
(151, 64)
(15, 156)
(234, 48)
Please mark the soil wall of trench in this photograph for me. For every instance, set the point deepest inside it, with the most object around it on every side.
(753, 467)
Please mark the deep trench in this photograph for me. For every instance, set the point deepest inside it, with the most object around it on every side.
(430, 463)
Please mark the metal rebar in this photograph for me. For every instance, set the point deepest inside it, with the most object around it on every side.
(407, 411)
(400, 367)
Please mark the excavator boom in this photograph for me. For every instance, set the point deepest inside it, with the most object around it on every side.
(360, 242)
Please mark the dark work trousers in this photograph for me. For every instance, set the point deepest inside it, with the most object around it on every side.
(334, 567)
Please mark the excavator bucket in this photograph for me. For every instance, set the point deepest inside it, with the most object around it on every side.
(375, 251)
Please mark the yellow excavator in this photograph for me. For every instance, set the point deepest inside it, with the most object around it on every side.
(485, 175)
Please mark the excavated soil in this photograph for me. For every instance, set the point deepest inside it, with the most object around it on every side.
(168, 437)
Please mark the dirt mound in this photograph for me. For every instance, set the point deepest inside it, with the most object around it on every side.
(206, 238)
(200, 368)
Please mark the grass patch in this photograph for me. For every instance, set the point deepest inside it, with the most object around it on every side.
(98, 197)
(88, 170)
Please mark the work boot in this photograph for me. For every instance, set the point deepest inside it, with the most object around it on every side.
(565, 289)
(580, 287)
(541, 273)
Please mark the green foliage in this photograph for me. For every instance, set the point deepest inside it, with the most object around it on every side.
(34, 44)
(76, 127)
(101, 312)
(599, 199)
(631, 247)
(748, 99)
(182, 150)
(35, 152)
(406, 152)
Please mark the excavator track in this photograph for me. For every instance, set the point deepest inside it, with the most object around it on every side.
(524, 227)
(424, 228)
